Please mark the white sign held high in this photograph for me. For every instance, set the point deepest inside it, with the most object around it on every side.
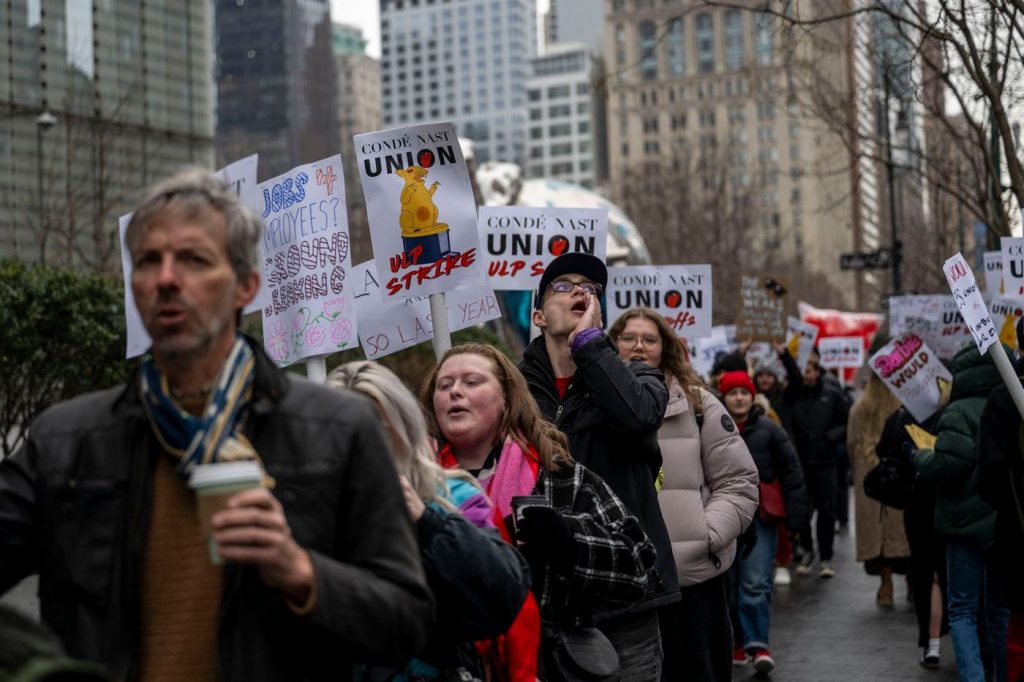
(800, 338)
(680, 293)
(969, 301)
(914, 374)
(1012, 252)
(839, 352)
(936, 319)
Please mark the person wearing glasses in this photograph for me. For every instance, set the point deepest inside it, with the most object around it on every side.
(610, 411)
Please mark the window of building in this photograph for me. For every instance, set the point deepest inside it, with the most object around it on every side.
(536, 114)
(558, 91)
(763, 38)
(533, 95)
(583, 108)
(678, 121)
(648, 51)
(766, 111)
(650, 125)
(733, 39)
(766, 134)
(562, 149)
(675, 47)
(536, 133)
(707, 119)
(560, 130)
(583, 88)
(652, 147)
(794, 152)
(705, 43)
(559, 110)
(583, 146)
(583, 126)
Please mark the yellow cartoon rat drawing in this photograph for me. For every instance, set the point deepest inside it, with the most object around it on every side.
(418, 218)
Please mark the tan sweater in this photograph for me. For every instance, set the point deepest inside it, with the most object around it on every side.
(181, 589)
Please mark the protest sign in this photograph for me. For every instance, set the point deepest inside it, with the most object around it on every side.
(307, 260)
(800, 339)
(421, 210)
(993, 261)
(840, 352)
(1012, 251)
(969, 301)
(387, 327)
(1005, 313)
(913, 373)
(935, 319)
(680, 293)
(762, 314)
(520, 241)
(240, 176)
(704, 352)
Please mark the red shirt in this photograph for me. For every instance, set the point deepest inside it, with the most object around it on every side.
(562, 384)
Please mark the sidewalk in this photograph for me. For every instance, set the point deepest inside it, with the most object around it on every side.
(831, 630)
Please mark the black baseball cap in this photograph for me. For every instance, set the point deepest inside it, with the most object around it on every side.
(591, 267)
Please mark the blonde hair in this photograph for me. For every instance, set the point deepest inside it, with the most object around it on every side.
(411, 447)
(521, 418)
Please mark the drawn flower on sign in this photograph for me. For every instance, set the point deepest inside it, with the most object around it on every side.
(341, 330)
(333, 308)
(315, 336)
(277, 341)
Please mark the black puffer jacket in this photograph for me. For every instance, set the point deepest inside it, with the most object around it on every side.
(75, 502)
(817, 423)
(775, 458)
(611, 413)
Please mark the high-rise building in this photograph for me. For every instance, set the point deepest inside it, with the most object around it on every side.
(276, 83)
(97, 100)
(575, 21)
(707, 103)
(358, 99)
(560, 138)
(465, 61)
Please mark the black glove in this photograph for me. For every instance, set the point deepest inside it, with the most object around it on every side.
(546, 531)
(747, 540)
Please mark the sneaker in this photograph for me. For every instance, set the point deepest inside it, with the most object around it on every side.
(782, 576)
(804, 567)
(826, 570)
(930, 658)
(739, 656)
(763, 661)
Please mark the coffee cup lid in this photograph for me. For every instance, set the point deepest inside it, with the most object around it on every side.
(225, 473)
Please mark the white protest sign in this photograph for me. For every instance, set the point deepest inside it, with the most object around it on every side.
(1005, 313)
(969, 301)
(721, 340)
(800, 340)
(993, 272)
(838, 352)
(913, 373)
(936, 319)
(241, 176)
(306, 247)
(519, 241)
(387, 327)
(680, 293)
(421, 210)
(1012, 252)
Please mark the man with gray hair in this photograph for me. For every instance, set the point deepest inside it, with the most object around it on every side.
(321, 568)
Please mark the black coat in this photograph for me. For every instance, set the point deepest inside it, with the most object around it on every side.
(611, 413)
(998, 474)
(775, 458)
(817, 423)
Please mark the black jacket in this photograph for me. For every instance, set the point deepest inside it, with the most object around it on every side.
(75, 502)
(999, 474)
(611, 413)
(775, 458)
(817, 422)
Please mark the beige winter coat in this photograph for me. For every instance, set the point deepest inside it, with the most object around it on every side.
(709, 494)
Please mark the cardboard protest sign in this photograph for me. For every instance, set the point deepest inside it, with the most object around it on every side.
(1012, 252)
(800, 339)
(1005, 313)
(993, 272)
(935, 319)
(721, 340)
(307, 260)
(913, 373)
(839, 352)
(969, 301)
(519, 241)
(762, 315)
(681, 293)
(387, 327)
(421, 210)
(241, 176)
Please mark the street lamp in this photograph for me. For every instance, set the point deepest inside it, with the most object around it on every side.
(44, 122)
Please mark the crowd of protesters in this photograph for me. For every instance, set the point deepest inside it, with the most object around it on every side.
(598, 512)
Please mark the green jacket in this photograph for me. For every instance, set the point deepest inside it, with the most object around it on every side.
(959, 512)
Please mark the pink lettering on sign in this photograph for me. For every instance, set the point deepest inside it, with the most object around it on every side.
(905, 349)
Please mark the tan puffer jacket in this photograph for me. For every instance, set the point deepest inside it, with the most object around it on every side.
(709, 493)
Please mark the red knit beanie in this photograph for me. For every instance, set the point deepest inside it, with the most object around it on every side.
(731, 380)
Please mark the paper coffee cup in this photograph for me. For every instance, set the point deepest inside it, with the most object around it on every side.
(214, 484)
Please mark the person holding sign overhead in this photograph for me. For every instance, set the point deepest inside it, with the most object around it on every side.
(311, 569)
(610, 412)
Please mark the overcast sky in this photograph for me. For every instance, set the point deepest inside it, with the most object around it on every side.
(366, 15)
